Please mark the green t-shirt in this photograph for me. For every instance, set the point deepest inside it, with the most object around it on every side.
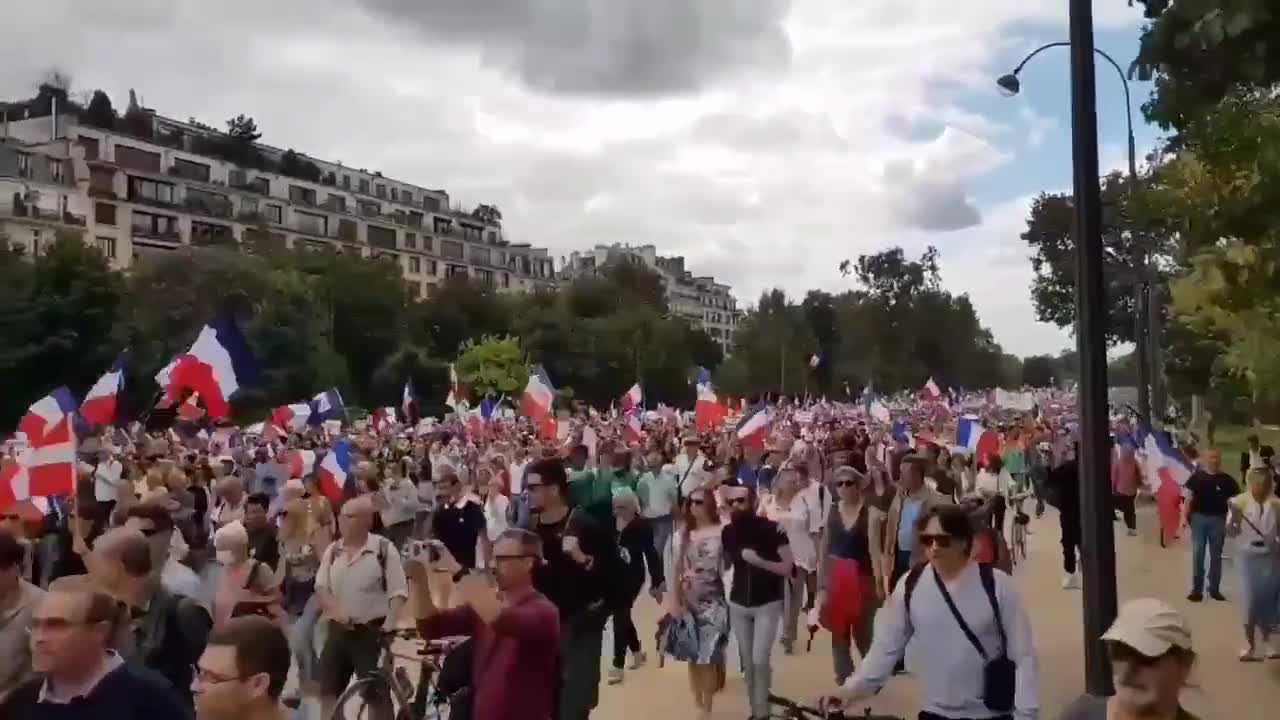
(593, 492)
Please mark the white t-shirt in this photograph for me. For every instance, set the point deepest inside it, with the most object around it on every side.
(796, 520)
(516, 470)
(107, 481)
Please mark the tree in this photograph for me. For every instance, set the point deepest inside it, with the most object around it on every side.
(493, 366)
(1038, 371)
(100, 113)
(243, 129)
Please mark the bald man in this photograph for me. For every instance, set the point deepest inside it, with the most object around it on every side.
(161, 631)
(361, 588)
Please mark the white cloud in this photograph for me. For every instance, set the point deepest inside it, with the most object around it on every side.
(762, 139)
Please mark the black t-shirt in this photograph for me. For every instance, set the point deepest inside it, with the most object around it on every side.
(1210, 493)
(753, 586)
(569, 586)
(264, 547)
(459, 529)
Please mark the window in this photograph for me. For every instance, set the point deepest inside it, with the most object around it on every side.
(406, 197)
(395, 195)
(415, 219)
(346, 182)
(337, 203)
(442, 226)
(107, 245)
(380, 190)
(382, 237)
(275, 214)
(426, 243)
(155, 226)
(104, 213)
(190, 170)
(479, 255)
(311, 224)
(364, 186)
(493, 237)
(102, 181)
(411, 241)
(506, 281)
(451, 249)
(143, 190)
(485, 277)
(91, 147)
(455, 271)
(472, 233)
(211, 234)
(302, 195)
(35, 242)
(415, 265)
(431, 268)
(431, 202)
(370, 209)
(136, 159)
(24, 165)
(56, 170)
(348, 231)
(248, 206)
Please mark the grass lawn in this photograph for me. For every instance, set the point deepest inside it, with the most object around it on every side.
(1230, 439)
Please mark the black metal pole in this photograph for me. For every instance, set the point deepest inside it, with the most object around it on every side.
(1097, 543)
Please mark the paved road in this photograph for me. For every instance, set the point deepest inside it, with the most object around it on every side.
(1225, 688)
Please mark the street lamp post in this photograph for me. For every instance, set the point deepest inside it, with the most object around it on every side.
(1097, 542)
(1143, 294)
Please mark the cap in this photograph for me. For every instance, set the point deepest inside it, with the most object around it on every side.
(1150, 626)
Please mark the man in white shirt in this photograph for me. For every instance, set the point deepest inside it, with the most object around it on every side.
(926, 618)
(690, 471)
(108, 482)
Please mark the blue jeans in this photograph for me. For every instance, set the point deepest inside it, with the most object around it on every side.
(1210, 531)
(662, 529)
(302, 640)
(755, 629)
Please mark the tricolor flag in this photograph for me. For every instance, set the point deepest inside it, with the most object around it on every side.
(707, 412)
(382, 420)
(101, 402)
(1165, 463)
(537, 400)
(409, 403)
(46, 414)
(216, 366)
(972, 436)
(633, 398)
(47, 467)
(301, 463)
(631, 430)
(291, 417)
(335, 477)
(754, 427)
(931, 390)
(327, 405)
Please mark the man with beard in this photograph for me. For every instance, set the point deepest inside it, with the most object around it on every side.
(1151, 657)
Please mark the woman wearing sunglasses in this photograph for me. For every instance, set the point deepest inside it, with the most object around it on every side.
(849, 571)
(699, 596)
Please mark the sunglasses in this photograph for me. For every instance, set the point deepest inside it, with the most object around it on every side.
(930, 540)
(739, 500)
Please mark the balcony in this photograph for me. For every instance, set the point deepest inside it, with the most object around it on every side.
(200, 174)
(251, 217)
(208, 207)
(157, 234)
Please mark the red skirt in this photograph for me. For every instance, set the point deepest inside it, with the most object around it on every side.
(847, 594)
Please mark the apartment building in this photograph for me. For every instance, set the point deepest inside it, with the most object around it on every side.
(701, 300)
(162, 184)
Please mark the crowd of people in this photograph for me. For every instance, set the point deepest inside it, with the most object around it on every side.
(192, 574)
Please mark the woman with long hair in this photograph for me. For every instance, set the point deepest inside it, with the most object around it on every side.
(850, 570)
(698, 593)
(300, 551)
(1254, 520)
(792, 511)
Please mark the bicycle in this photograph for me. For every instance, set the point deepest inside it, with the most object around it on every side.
(1018, 544)
(781, 708)
(388, 693)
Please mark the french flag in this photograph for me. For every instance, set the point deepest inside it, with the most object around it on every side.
(539, 395)
(101, 402)
(335, 471)
(1165, 463)
(216, 366)
(408, 403)
(631, 429)
(291, 417)
(931, 390)
(46, 468)
(633, 398)
(974, 437)
(327, 405)
(707, 411)
(301, 463)
(45, 415)
(754, 427)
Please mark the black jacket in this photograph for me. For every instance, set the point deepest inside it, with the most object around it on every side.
(126, 693)
(169, 638)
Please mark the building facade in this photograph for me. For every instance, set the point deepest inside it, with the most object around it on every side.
(163, 184)
(705, 303)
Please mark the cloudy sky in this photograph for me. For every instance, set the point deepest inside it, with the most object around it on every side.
(765, 140)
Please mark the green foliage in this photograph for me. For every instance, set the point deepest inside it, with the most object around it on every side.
(1039, 371)
(100, 113)
(493, 366)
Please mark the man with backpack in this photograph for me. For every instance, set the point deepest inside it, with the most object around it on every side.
(965, 626)
(361, 588)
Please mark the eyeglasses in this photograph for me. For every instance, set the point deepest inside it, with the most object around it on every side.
(205, 676)
(739, 500)
(941, 540)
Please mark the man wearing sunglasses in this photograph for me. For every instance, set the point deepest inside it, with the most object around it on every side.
(968, 632)
(1151, 658)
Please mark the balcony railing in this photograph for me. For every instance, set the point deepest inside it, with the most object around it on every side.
(21, 209)
(208, 207)
(151, 234)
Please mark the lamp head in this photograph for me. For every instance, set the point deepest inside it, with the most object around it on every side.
(1009, 84)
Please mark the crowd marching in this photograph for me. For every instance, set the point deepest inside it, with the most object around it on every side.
(207, 570)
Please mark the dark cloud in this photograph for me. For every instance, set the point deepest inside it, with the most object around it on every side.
(606, 47)
(928, 203)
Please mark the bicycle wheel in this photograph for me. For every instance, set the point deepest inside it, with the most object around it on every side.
(368, 699)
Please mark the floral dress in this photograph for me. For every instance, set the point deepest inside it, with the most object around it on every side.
(704, 590)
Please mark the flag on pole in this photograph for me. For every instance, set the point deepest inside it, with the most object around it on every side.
(707, 411)
(633, 398)
(101, 402)
(46, 415)
(216, 366)
(46, 468)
